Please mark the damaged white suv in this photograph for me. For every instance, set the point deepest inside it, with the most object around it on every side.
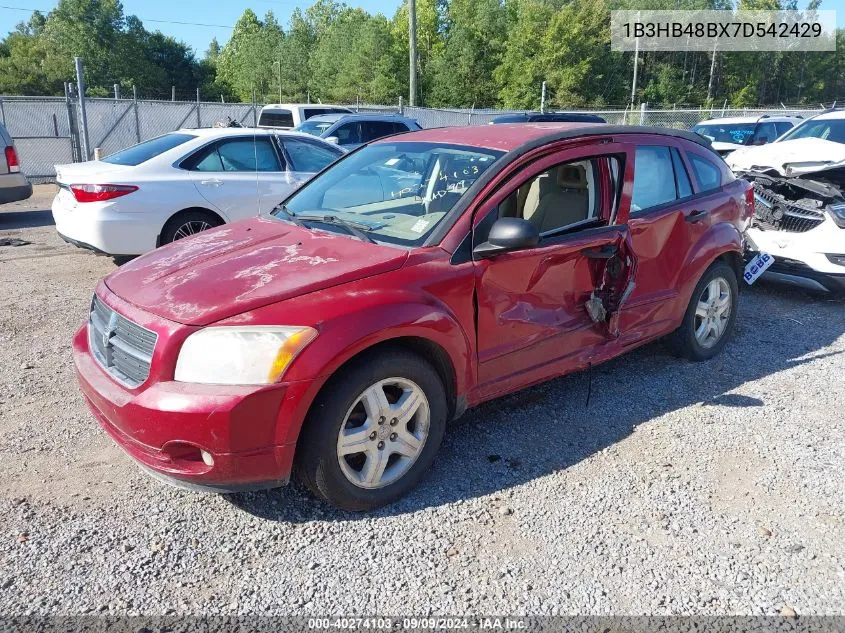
(799, 191)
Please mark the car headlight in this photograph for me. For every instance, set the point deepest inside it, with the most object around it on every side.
(240, 355)
(837, 212)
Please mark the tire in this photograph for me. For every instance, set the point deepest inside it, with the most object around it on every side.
(387, 442)
(685, 340)
(187, 223)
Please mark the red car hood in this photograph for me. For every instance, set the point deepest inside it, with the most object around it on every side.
(243, 266)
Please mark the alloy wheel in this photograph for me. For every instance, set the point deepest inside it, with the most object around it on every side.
(713, 312)
(383, 433)
(190, 228)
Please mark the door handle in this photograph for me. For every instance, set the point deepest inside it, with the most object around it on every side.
(212, 181)
(605, 252)
(697, 216)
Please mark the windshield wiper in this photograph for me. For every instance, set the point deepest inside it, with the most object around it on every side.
(289, 215)
(355, 228)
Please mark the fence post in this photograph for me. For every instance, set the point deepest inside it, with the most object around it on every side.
(137, 118)
(643, 106)
(173, 93)
(117, 92)
(199, 119)
(80, 84)
(2, 112)
(401, 107)
(254, 111)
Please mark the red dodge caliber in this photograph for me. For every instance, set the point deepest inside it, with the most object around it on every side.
(418, 276)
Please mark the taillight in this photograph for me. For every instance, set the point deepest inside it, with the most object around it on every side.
(12, 159)
(99, 193)
(749, 203)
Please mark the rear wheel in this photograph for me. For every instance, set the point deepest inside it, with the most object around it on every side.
(711, 314)
(373, 431)
(187, 223)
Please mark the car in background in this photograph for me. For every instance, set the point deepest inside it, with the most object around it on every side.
(799, 191)
(13, 184)
(547, 117)
(342, 335)
(289, 115)
(352, 130)
(732, 133)
(181, 183)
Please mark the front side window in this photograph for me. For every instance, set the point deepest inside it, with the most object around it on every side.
(142, 152)
(348, 134)
(309, 157)
(783, 127)
(827, 129)
(244, 154)
(315, 128)
(654, 178)
(708, 175)
(765, 133)
(561, 197)
(399, 191)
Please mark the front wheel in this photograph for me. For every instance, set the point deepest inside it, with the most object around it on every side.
(373, 431)
(711, 314)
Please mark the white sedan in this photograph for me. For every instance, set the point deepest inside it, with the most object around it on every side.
(181, 183)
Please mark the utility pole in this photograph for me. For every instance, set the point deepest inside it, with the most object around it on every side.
(412, 57)
(80, 84)
(543, 98)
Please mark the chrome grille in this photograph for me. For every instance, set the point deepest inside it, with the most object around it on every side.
(773, 212)
(123, 348)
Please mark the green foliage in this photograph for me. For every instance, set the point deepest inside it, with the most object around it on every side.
(470, 53)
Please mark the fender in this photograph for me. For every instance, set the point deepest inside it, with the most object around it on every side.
(354, 321)
(722, 238)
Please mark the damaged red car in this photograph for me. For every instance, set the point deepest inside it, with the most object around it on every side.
(419, 275)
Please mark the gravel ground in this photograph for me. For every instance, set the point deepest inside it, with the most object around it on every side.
(713, 488)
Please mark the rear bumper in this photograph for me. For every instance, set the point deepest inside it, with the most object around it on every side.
(167, 426)
(16, 190)
(110, 228)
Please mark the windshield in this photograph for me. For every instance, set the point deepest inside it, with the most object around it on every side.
(827, 129)
(143, 152)
(313, 127)
(737, 133)
(399, 191)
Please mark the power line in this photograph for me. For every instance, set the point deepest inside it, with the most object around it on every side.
(216, 26)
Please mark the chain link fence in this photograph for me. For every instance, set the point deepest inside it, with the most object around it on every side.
(48, 130)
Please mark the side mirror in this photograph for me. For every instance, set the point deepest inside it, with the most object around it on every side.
(333, 139)
(506, 235)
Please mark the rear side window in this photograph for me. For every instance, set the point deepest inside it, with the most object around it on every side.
(309, 157)
(142, 152)
(708, 175)
(276, 118)
(654, 179)
(307, 113)
(682, 181)
(371, 130)
(244, 154)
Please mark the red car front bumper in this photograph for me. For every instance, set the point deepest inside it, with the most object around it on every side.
(244, 431)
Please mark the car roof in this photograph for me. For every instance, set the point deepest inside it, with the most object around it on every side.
(357, 116)
(288, 106)
(222, 132)
(523, 136)
(750, 119)
(833, 114)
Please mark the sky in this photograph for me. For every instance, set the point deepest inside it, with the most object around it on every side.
(220, 16)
